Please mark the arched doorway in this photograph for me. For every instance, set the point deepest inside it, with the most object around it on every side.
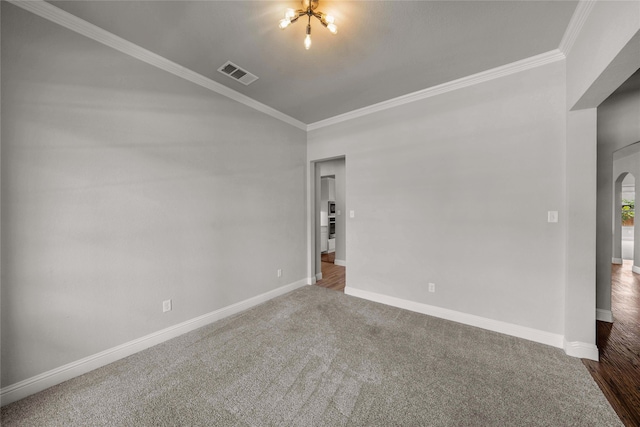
(624, 218)
(627, 216)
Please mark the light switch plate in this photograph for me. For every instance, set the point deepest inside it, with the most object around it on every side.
(552, 216)
(352, 214)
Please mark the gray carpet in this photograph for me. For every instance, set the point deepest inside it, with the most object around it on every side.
(319, 357)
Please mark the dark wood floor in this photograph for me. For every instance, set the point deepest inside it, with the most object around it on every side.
(618, 372)
(333, 276)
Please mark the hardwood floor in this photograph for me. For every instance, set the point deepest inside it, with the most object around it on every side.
(333, 276)
(618, 372)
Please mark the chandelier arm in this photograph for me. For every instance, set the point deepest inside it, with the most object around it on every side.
(299, 14)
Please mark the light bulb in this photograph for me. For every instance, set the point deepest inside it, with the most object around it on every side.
(284, 23)
(307, 42)
(332, 27)
(329, 19)
(290, 13)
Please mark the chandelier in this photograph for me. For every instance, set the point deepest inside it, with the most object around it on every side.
(309, 9)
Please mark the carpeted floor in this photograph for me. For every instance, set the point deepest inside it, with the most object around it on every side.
(319, 357)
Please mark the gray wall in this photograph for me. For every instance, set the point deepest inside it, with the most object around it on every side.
(618, 127)
(455, 190)
(123, 186)
(601, 57)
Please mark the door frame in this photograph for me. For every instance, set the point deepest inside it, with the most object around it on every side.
(314, 263)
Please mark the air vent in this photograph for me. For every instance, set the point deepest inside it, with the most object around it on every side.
(232, 70)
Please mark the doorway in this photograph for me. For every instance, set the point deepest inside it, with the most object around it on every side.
(329, 207)
(626, 236)
(617, 285)
(627, 217)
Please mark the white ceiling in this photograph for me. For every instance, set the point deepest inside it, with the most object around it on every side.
(383, 49)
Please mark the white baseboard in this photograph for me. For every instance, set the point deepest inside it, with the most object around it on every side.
(604, 315)
(48, 379)
(548, 338)
(635, 269)
(582, 350)
(319, 276)
(340, 262)
(616, 260)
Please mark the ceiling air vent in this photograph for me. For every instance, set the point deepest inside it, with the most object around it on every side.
(232, 70)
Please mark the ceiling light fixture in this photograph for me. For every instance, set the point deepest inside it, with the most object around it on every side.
(309, 9)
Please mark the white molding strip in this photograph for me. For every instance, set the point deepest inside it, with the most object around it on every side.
(548, 338)
(80, 26)
(505, 70)
(604, 315)
(48, 379)
(635, 269)
(576, 23)
(340, 262)
(318, 276)
(582, 350)
(616, 260)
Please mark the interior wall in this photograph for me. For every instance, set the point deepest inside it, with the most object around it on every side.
(336, 168)
(456, 189)
(618, 127)
(123, 186)
(603, 55)
(608, 28)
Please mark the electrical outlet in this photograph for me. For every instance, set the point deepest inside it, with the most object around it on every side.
(166, 306)
(432, 287)
(279, 272)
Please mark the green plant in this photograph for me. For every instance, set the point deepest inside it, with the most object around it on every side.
(628, 208)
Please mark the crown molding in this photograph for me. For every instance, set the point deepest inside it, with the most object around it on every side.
(576, 23)
(474, 79)
(80, 26)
